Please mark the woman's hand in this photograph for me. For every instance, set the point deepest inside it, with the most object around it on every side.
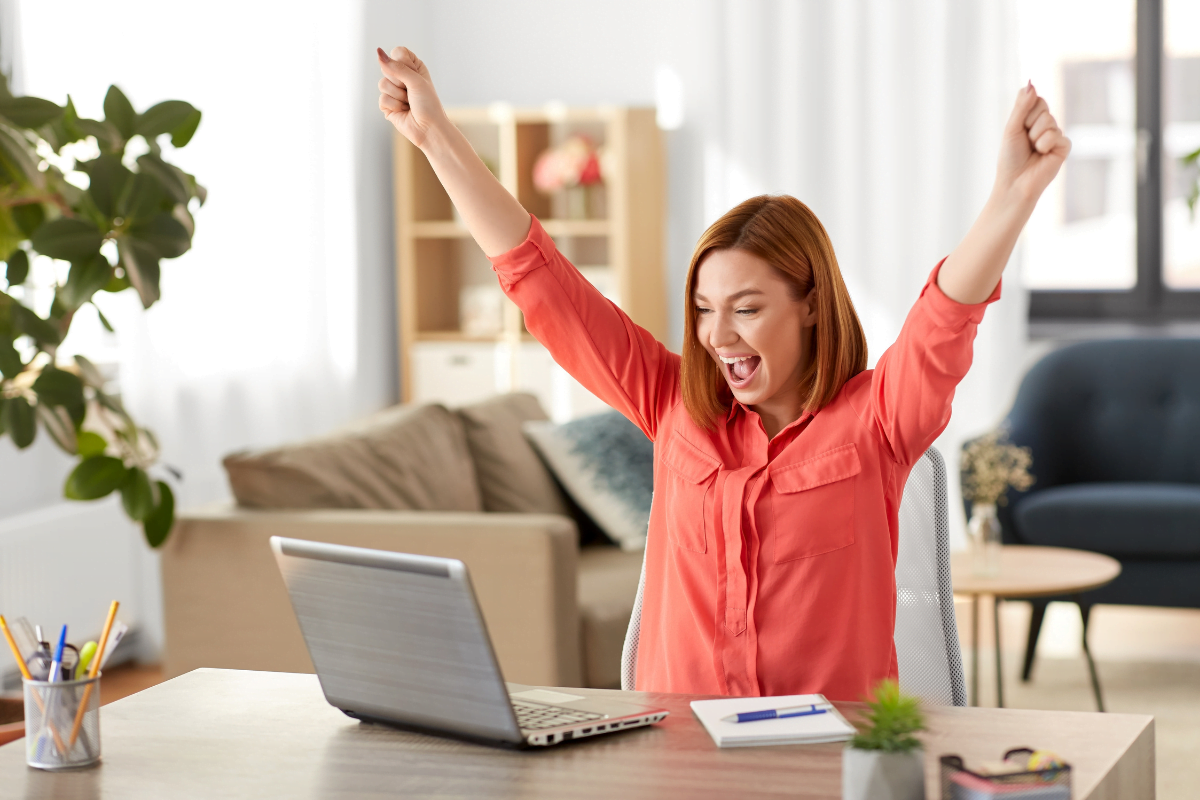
(406, 95)
(1032, 151)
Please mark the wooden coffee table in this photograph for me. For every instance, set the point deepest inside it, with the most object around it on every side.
(1027, 572)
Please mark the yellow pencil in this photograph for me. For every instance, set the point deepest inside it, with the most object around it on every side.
(27, 675)
(93, 671)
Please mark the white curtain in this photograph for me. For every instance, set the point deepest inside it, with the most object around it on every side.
(278, 324)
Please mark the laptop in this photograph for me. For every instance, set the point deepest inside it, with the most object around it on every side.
(398, 639)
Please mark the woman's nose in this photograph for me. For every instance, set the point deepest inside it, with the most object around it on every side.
(722, 333)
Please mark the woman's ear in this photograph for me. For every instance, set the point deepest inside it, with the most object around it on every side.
(809, 310)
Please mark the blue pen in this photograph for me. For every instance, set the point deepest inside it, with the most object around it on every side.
(56, 664)
(777, 713)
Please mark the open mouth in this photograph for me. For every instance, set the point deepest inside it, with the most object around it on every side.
(740, 370)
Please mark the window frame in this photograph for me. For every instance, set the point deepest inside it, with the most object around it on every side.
(1150, 300)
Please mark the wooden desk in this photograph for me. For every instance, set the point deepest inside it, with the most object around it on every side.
(1028, 571)
(233, 734)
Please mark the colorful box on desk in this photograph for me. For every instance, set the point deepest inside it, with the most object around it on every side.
(960, 783)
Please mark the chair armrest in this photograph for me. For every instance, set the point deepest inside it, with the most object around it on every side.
(225, 603)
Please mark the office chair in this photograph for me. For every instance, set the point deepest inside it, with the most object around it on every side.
(926, 632)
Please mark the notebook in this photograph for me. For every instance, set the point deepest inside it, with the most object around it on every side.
(828, 727)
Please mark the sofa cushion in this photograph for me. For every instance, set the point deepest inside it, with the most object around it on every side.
(404, 457)
(608, 580)
(511, 476)
(607, 466)
(1124, 520)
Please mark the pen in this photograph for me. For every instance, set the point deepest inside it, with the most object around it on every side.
(27, 676)
(776, 713)
(56, 664)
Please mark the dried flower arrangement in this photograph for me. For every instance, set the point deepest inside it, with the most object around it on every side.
(991, 464)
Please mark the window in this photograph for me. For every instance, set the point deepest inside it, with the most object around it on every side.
(1114, 238)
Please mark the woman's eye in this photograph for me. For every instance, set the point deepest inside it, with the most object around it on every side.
(747, 311)
(702, 310)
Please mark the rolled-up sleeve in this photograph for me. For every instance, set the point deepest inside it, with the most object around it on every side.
(587, 334)
(913, 383)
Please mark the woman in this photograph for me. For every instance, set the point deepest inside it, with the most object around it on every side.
(780, 460)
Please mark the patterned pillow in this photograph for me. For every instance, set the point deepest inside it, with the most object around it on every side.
(606, 464)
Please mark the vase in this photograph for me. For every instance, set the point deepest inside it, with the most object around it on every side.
(984, 529)
(876, 775)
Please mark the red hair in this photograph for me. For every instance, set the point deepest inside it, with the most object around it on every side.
(787, 235)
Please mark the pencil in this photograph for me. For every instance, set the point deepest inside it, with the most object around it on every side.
(27, 675)
(93, 671)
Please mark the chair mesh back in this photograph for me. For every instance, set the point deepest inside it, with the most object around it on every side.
(926, 633)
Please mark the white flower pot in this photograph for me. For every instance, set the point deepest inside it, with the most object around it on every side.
(876, 775)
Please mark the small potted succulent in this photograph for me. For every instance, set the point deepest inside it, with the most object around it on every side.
(885, 761)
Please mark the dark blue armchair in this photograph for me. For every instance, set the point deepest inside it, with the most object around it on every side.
(1114, 427)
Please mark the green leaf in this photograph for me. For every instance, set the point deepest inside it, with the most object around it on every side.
(29, 216)
(89, 444)
(65, 129)
(137, 494)
(10, 235)
(146, 197)
(29, 112)
(165, 234)
(69, 239)
(119, 111)
(43, 331)
(117, 283)
(183, 134)
(103, 319)
(108, 137)
(158, 525)
(59, 425)
(94, 478)
(84, 280)
(10, 360)
(141, 268)
(19, 157)
(18, 268)
(165, 117)
(57, 387)
(172, 179)
(89, 372)
(108, 180)
(20, 422)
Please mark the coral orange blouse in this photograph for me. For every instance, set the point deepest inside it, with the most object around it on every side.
(770, 564)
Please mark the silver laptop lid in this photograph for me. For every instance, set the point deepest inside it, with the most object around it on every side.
(397, 637)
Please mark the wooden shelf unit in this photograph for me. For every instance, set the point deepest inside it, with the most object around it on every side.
(619, 245)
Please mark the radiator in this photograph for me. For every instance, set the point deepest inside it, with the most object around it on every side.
(65, 564)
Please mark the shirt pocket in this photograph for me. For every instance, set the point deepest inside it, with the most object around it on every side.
(814, 504)
(688, 493)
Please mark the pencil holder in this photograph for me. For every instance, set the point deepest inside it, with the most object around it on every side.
(62, 723)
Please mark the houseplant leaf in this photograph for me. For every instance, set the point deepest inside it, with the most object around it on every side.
(137, 494)
(158, 525)
(19, 421)
(84, 280)
(182, 134)
(18, 268)
(109, 179)
(29, 112)
(18, 157)
(89, 443)
(10, 234)
(29, 216)
(59, 425)
(119, 112)
(172, 179)
(165, 117)
(165, 234)
(57, 387)
(43, 331)
(10, 360)
(146, 197)
(94, 478)
(141, 268)
(68, 239)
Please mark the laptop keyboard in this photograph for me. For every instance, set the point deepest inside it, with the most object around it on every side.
(535, 716)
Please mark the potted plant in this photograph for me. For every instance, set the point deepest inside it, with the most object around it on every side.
(885, 760)
(990, 466)
(98, 204)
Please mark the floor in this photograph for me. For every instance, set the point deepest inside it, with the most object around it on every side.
(1148, 661)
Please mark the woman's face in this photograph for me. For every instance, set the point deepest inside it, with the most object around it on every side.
(758, 333)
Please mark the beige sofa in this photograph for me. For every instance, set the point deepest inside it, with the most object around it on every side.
(557, 612)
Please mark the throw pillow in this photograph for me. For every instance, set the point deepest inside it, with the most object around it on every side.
(404, 457)
(511, 476)
(606, 464)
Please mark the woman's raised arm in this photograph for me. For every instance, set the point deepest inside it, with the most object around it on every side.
(409, 101)
(1032, 151)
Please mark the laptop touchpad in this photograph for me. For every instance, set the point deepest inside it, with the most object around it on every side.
(546, 696)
